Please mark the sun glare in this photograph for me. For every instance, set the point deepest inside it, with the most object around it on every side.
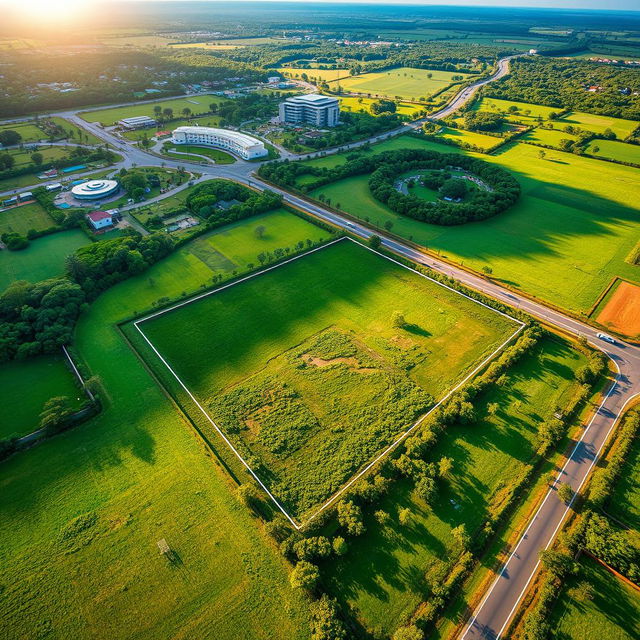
(52, 10)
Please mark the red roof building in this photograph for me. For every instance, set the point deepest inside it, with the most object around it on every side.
(100, 219)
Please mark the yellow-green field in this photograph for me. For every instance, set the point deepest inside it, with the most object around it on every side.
(351, 103)
(597, 124)
(326, 75)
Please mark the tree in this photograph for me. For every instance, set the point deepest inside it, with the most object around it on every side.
(453, 188)
(304, 575)
(374, 241)
(404, 516)
(426, 488)
(350, 517)
(259, 231)
(167, 113)
(382, 517)
(9, 137)
(595, 149)
(541, 154)
(408, 633)
(492, 408)
(54, 414)
(557, 563)
(249, 496)
(487, 269)
(565, 492)
(461, 536)
(157, 110)
(445, 465)
(388, 225)
(340, 546)
(397, 320)
(37, 158)
(325, 623)
(213, 107)
(186, 112)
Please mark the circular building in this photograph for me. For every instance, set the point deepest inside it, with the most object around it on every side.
(95, 189)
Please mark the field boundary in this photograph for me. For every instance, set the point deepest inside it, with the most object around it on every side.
(390, 447)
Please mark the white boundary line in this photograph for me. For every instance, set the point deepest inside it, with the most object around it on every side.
(614, 422)
(396, 442)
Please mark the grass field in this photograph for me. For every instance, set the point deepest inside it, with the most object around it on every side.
(28, 131)
(526, 114)
(404, 82)
(197, 104)
(318, 75)
(79, 134)
(348, 103)
(614, 150)
(612, 612)
(392, 568)
(81, 515)
(624, 503)
(567, 237)
(22, 158)
(43, 258)
(219, 157)
(232, 43)
(205, 121)
(460, 136)
(23, 218)
(318, 328)
(597, 124)
(26, 385)
(549, 137)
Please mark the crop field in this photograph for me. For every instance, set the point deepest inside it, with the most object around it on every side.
(43, 258)
(197, 104)
(394, 566)
(349, 103)
(526, 113)
(548, 137)
(612, 610)
(26, 385)
(620, 310)
(232, 43)
(566, 238)
(24, 217)
(597, 124)
(615, 150)
(263, 356)
(404, 82)
(78, 538)
(326, 75)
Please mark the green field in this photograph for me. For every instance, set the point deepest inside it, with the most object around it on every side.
(612, 611)
(205, 121)
(197, 104)
(23, 218)
(79, 134)
(219, 157)
(320, 327)
(404, 83)
(324, 75)
(460, 136)
(26, 385)
(22, 158)
(349, 103)
(392, 568)
(547, 137)
(43, 258)
(231, 43)
(614, 150)
(624, 503)
(528, 114)
(570, 233)
(81, 515)
(597, 124)
(28, 131)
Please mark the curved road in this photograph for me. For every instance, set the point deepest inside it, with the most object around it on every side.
(495, 611)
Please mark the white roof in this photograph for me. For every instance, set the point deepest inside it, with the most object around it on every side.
(240, 138)
(312, 98)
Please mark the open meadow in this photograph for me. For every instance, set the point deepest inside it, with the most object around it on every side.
(517, 112)
(395, 566)
(321, 327)
(78, 539)
(315, 75)
(404, 83)
(197, 103)
(43, 258)
(598, 124)
(24, 217)
(353, 104)
(594, 605)
(624, 503)
(462, 137)
(567, 237)
(614, 150)
(26, 385)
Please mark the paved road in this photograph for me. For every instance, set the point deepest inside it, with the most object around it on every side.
(494, 613)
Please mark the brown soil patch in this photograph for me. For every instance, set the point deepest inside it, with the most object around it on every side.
(622, 312)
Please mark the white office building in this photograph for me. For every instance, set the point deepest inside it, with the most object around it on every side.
(321, 111)
(240, 144)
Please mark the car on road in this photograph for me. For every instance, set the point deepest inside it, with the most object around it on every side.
(606, 338)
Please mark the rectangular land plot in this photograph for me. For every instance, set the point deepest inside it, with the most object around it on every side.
(598, 124)
(304, 372)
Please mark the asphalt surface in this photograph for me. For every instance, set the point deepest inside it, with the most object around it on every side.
(495, 611)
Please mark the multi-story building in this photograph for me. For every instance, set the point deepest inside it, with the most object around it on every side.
(240, 144)
(321, 111)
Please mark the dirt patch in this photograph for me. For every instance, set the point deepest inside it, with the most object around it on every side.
(352, 363)
(622, 311)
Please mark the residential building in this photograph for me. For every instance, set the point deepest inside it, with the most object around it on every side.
(313, 108)
(99, 219)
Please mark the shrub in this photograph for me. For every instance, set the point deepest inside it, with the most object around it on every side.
(304, 575)
(350, 517)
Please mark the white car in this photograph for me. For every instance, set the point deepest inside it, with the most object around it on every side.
(606, 338)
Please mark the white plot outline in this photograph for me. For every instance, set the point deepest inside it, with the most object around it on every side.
(390, 447)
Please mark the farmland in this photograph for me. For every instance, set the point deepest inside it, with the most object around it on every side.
(43, 258)
(613, 150)
(624, 503)
(350, 352)
(403, 83)
(316, 75)
(520, 112)
(143, 477)
(547, 137)
(565, 239)
(394, 566)
(350, 103)
(611, 611)
(598, 124)
(23, 218)
(26, 386)
(462, 137)
(106, 117)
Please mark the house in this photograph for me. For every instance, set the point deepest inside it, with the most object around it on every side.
(99, 219)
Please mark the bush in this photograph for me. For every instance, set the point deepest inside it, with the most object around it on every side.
(350, 517)
(304, 576)
(325, 623)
